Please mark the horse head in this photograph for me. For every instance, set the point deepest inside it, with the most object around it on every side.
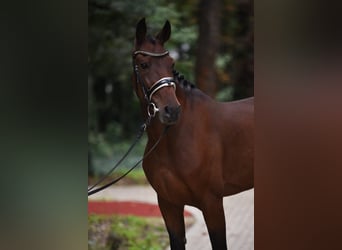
(154, 82)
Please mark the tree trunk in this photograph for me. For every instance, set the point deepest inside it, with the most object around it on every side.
(243, 53)
(208, 45)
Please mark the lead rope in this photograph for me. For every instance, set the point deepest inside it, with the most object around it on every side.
(91, 192)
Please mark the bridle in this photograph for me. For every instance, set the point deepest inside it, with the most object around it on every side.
(148, 93)
(152, 109)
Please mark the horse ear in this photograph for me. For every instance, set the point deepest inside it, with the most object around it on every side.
(165, 33)
(140, 32)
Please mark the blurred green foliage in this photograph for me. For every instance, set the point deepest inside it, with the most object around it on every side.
(113, 109)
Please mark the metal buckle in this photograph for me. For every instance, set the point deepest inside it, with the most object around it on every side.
(154, 109)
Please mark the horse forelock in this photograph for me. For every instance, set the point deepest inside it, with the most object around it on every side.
(151, 39)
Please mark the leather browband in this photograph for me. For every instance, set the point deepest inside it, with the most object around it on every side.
(146, 53)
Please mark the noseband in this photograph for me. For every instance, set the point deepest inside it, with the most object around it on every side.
(152, 109)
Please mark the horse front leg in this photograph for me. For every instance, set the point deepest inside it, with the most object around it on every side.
(174, 219)
(213, 213)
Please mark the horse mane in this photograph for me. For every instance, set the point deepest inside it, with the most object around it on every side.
(183, 83)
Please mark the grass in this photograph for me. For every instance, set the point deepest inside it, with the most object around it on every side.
(126, 233)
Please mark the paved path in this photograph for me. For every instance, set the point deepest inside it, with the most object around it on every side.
(239, 210)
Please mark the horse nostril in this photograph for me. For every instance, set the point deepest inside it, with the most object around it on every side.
(167, 110)
(172, 112)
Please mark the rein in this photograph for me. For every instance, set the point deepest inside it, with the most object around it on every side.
(138, 137)
(91, 192)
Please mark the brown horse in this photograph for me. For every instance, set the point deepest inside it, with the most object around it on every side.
(207, 151)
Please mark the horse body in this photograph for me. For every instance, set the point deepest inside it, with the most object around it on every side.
(207, 151)
(204, 160)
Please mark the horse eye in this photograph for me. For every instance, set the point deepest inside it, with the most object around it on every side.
(144, 65)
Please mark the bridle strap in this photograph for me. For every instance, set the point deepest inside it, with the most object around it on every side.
(161, 83)
(152, 109)
(146, 53)
(139, 80)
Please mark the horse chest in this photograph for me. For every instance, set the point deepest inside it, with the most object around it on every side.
(183, 184)
(168, 184)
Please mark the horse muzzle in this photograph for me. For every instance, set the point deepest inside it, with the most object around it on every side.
(170, 114)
